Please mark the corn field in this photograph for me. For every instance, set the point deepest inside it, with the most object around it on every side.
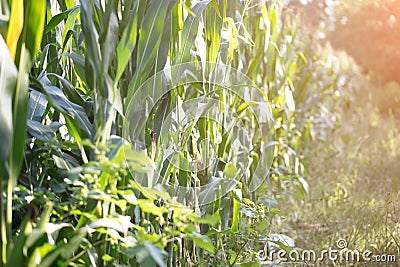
(158, 133)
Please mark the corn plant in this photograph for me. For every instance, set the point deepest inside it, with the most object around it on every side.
(148, 129)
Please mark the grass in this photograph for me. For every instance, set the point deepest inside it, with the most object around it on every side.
(354, 181)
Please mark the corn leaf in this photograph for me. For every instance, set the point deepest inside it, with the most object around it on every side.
(149, 41)
(8, 79)
(127, 43)
(15, 26)
(190, 29)
(33, 25)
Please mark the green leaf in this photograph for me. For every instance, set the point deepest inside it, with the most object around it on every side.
(69, 90)
(148, 206)
(69, 3)
(61, 103)
(93, 53)
(56, 19)
(16, 105)
(16, 257)
(43, 132)
(281, 245)
(73, 244)
(189, 32)
(34, 25)
(301, 54)
(213, 27)
(130, 196)
(150, 36)
(37, 105)
(73, 129)
(151, 32)
(61, 163)
(139, 157)
(149, 255)
(70, 23)
(20, 111)
(65, 251)
(78, 59)
(272, 48)
(202, 241)
(230, 171)
(211, 191)
(156, 253)
(255, 61)
(237, 199)
(15, 26)
(8, 79)
(111, 223)
(127, 43)
(208, 219)
(109, 37)
(162, 54)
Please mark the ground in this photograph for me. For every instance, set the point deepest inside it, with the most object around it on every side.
(354, 180)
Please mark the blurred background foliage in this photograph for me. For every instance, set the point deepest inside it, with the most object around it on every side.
(70, 68)
(367, 30)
